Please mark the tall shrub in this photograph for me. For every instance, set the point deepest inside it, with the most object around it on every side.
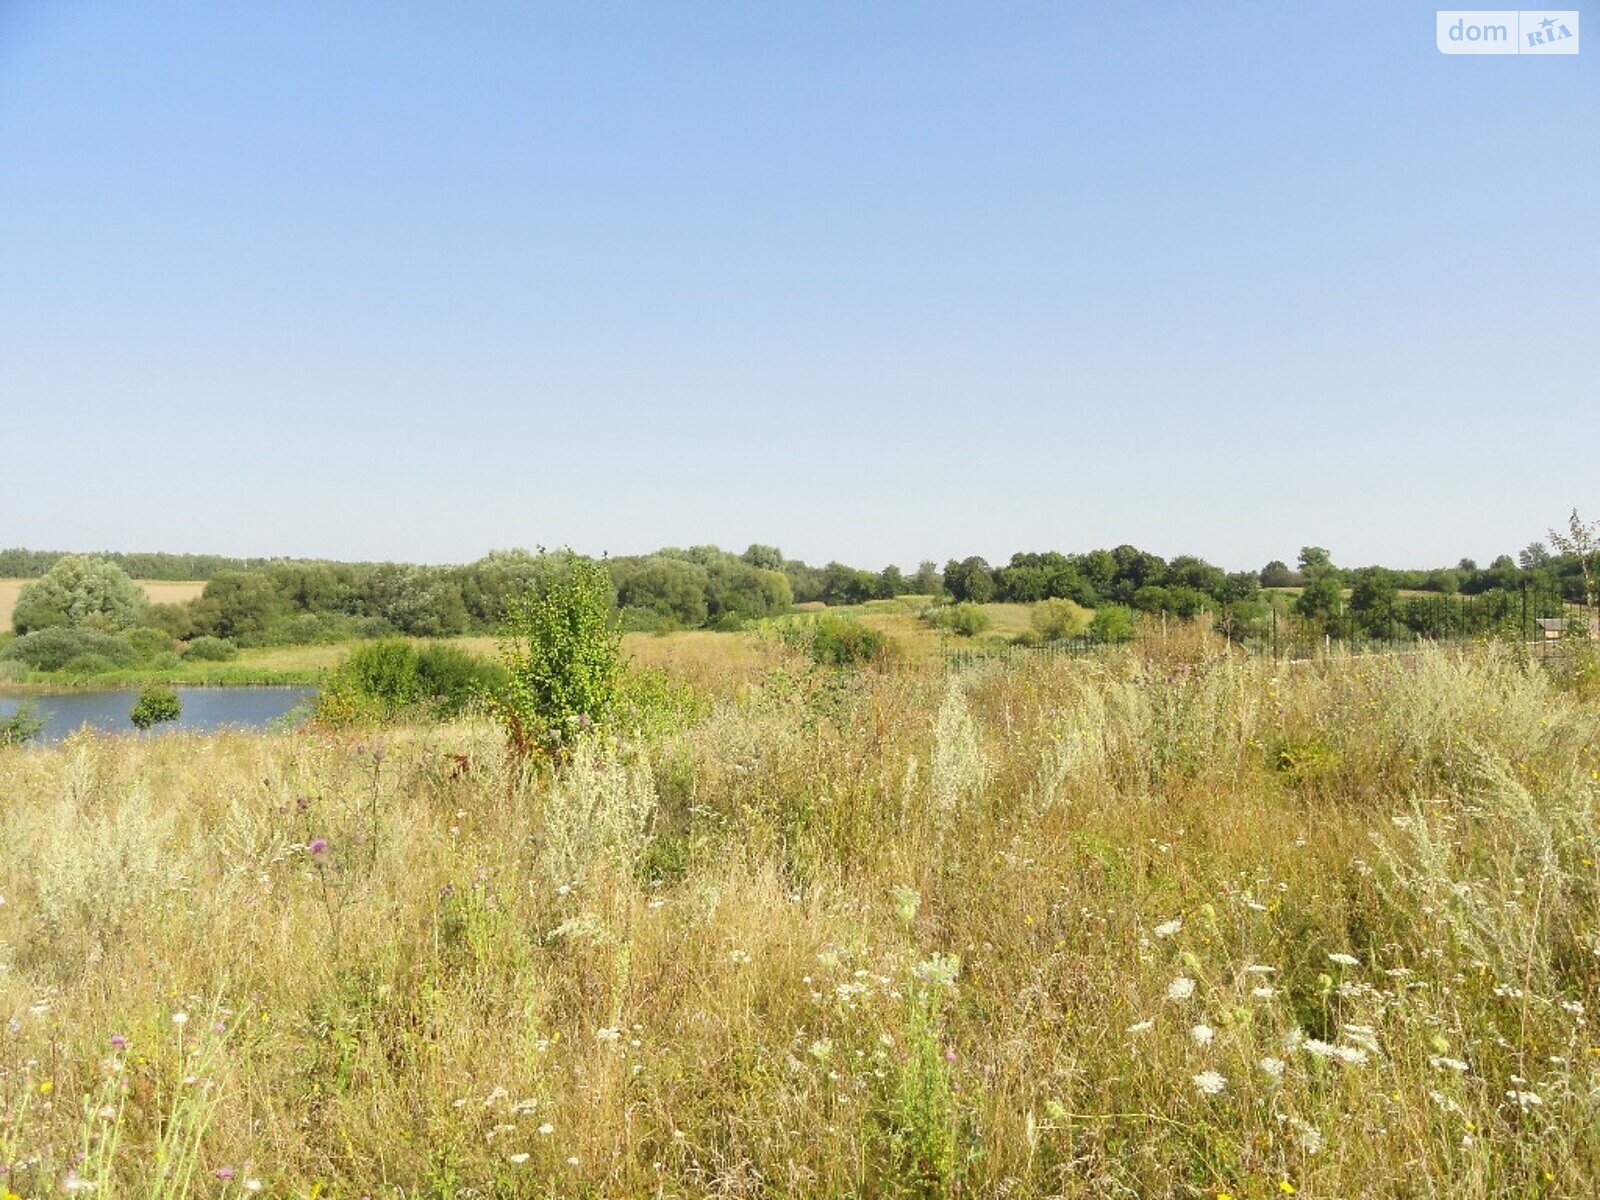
(561, 649)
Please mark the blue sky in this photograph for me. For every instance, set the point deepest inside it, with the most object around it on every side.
(872, 282)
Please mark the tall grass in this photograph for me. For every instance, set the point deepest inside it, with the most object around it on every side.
(1186, 925)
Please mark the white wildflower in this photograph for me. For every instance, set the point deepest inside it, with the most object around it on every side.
(1309, 1136)
(1210, 1083)
(1202, 1034)
(939, 971)
(1180, 989)
(1141, 1026)
(1273, 1067)
(1345, 960)
(1167, 928)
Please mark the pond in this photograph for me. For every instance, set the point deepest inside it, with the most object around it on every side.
(204, 709)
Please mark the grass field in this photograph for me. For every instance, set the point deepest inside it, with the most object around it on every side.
(160, 591)
(1128, 925)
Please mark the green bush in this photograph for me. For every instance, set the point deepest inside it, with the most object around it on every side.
(20, 726)
(561, 650)
(449, 678)
(62, 647)
(965, 619)
(385, 673)
(842, 642)
(1112, 623)
(210, 649)
(155, 705)
(389, 680)
(147, 642)
(1055, 620)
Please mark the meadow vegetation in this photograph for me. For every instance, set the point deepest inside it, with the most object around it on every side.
(1164, 920)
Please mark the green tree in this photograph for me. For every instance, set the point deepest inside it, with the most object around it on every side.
(1314, 559)
(1582, 541)
(561, 649)
(79, 591)
(156, 703)
(237, 603)
(669, 588)
(767, 558)
(969, 580)
(1276, 574)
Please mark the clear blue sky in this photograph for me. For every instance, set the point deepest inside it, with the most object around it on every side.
(875, 282)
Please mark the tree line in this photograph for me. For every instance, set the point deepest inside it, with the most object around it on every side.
(288, 601)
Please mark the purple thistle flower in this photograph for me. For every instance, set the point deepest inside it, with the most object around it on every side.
(318, 846)
(224, 1173)
(118, 1042)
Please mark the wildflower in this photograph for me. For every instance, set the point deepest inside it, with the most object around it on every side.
(609, 1034)
(1262, 993)
(1525, 1099)
(1345, 960)
(180, 1018)
(1167, 928)
(118, 1042)
(1286, 1187)
(939, 971)
(1449, 1064)
(224, 1173)
(1319, 1047)
(1273, 1067)
(519, 1158)
(1308, 1135)
(738, 957)
(252, 1184)
(1202, 1034)
(1352, 1056)
(1141, 1026)
(547, 1129)
(1180, 989)
(317, 847)
(1210, 1083)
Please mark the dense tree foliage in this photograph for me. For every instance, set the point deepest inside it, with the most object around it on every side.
(254, 602)
(78, 592)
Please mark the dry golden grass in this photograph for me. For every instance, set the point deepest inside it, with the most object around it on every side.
(1139, 925)
(159, 591)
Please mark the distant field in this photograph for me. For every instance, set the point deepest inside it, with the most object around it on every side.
(160, 591)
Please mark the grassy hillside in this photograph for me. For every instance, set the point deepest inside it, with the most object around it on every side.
(1123, 925)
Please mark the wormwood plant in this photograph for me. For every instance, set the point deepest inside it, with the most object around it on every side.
(561, 649)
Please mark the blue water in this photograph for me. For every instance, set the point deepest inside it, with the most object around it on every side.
(204, 709)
